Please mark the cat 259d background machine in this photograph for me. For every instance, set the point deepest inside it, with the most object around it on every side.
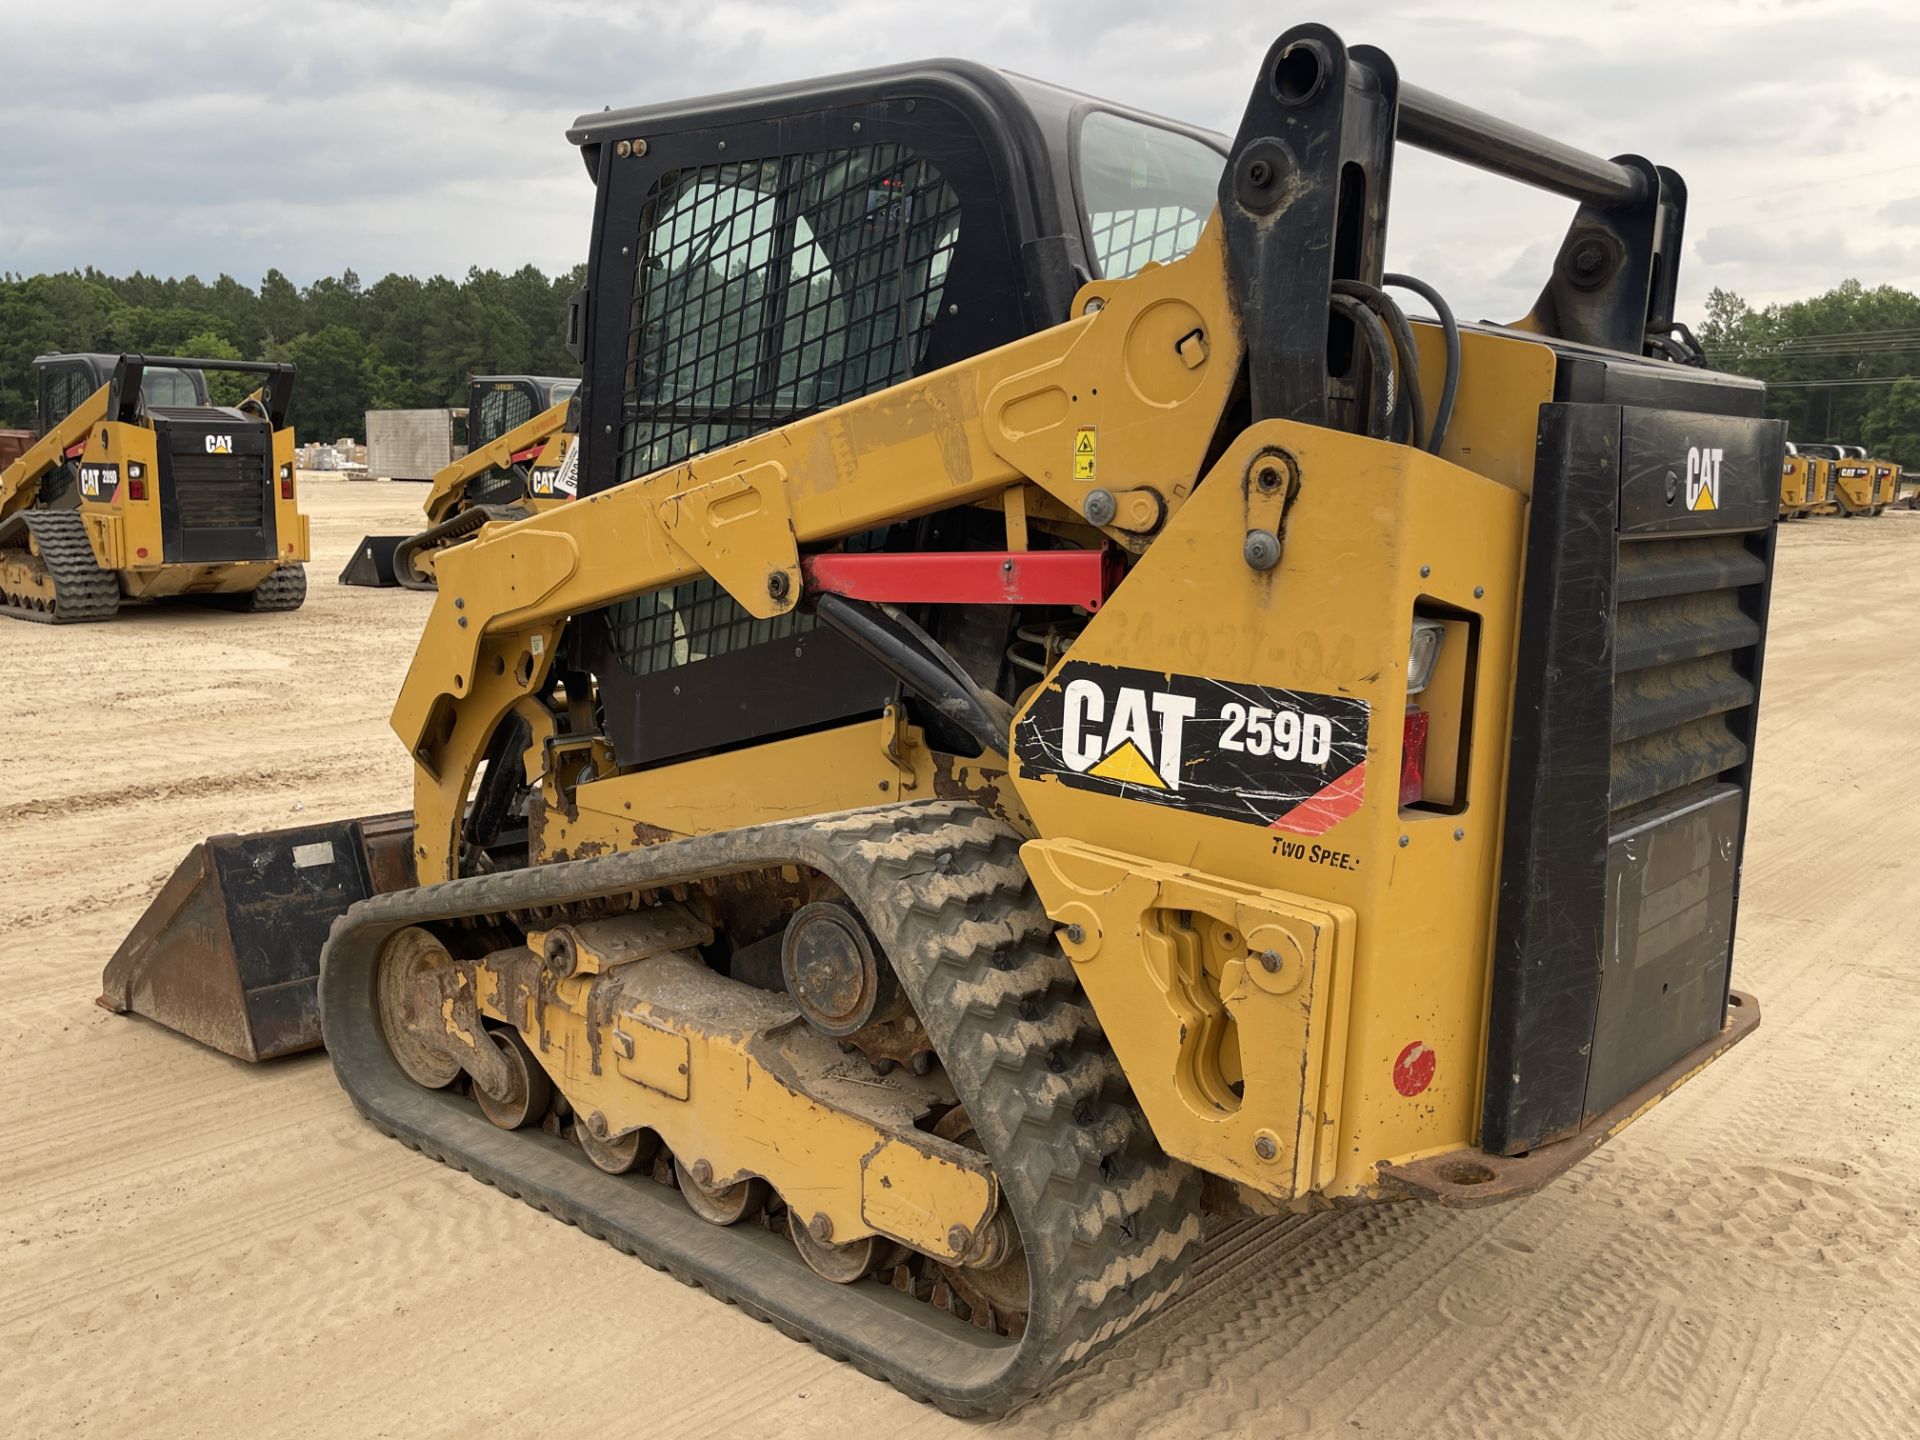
(139, 487)
(1058, 709)
(518, 442)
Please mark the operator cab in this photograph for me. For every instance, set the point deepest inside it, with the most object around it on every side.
(499, 403)
(762, 256)
(66, 381)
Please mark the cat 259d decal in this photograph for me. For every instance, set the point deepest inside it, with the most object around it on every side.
(1283, 759)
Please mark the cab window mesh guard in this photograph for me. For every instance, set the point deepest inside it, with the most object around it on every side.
(1147, 191)
(769, 290)
(697, 620)
(1126, 240)
(501, 411)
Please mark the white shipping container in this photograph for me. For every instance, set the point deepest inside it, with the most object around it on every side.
(410, 444)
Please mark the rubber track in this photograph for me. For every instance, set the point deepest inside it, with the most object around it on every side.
(1110, 1225)
(456, 528)
(81, 589)
(284, 589)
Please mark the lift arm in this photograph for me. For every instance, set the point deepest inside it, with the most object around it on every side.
(740, 515)
(20, 481)
(502, 453)
(1147, 365)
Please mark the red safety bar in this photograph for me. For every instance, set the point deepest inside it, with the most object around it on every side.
(967, 577)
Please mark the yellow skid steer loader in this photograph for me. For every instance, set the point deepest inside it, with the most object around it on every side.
(519, 443)
(139, 487)
(1796, 484)
(1059, 708)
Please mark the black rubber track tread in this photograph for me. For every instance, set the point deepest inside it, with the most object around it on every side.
(457, 528)
(284, 589)
(1109, 1223)
(81, 589)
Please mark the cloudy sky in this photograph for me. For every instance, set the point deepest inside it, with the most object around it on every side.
(188, 137)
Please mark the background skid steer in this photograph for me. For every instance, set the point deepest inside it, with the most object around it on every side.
(519, 439)
(139, 487)
(1047, 730)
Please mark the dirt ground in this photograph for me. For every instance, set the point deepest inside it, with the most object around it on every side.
(190, 1246)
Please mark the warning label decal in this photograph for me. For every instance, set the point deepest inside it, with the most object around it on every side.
(1083, 453)
(1281, 759)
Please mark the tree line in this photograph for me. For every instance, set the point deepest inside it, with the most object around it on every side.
(400, 343)
(1840, 367)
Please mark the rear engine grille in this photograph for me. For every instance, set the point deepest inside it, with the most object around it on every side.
(1686, 631)
(220, 491)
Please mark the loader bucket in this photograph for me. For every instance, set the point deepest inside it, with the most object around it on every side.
(372, 562)
(228, 953)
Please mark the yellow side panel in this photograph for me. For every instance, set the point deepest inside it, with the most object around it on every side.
(870, 763)
(1496, 416)
(1175, 964)
(1195, 632)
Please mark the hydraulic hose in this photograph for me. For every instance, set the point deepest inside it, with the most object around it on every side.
(1380, 349)
(1395, 319)
(1450, 328)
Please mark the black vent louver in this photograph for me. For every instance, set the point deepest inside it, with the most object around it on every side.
(1642, 632)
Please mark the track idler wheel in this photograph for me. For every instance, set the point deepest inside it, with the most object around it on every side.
(718, 1204)
(529, 1092)
(404, 1021)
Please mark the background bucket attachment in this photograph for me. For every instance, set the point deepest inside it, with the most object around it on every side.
(372, 562)
(228, 953)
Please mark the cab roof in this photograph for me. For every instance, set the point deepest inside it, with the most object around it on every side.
(1039, 114)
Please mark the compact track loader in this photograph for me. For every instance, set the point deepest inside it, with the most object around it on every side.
(1059, 709)
(140, 488)
(519, 440)
(1844, 480)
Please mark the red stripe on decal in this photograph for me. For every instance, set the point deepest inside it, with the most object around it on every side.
(1334, 802)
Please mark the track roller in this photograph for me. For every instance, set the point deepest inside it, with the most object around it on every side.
(629, 1152)
(842, 1264)
(529, 1091)
(718, 1204)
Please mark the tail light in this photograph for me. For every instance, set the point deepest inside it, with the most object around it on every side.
(286, 482)
(1413, 756)
(136, 487)
(1422, 655)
